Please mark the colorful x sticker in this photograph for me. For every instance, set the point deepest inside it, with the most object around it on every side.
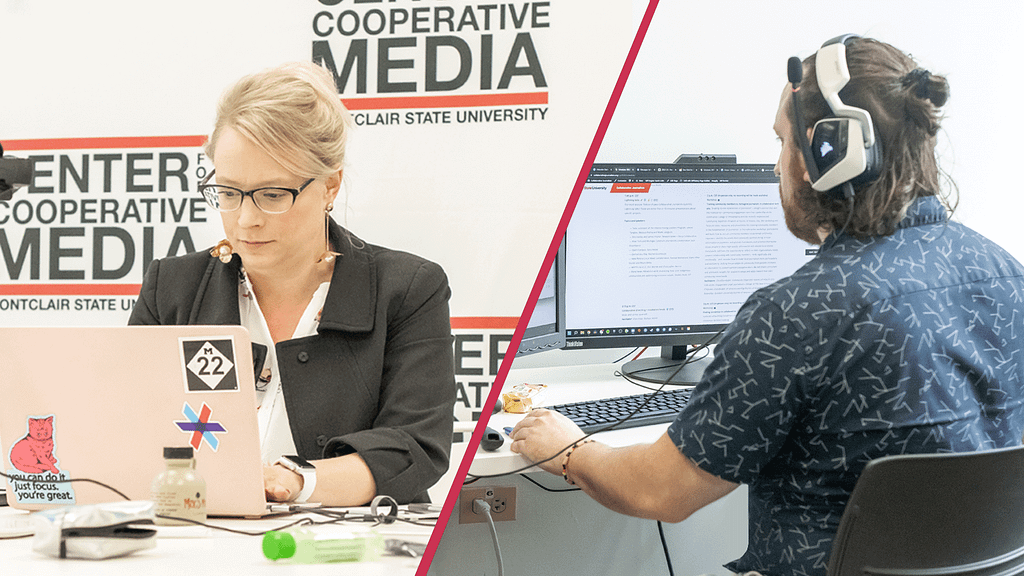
(200, 426)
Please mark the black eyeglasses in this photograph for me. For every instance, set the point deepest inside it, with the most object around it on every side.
(270, 199)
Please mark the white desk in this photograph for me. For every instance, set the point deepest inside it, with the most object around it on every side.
(569, 533)
(216, 552)
(565, 384)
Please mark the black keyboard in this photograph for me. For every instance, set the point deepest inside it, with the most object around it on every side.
(594, 415)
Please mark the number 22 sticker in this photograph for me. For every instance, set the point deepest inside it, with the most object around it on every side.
(209, 364)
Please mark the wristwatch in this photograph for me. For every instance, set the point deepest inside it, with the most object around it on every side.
(303, 468)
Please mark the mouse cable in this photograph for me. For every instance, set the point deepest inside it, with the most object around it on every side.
(664, 546)
(546, 489)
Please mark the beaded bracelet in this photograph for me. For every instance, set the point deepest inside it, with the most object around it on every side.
(565, 461)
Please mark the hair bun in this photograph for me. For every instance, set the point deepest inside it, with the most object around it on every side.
(918, 79)
(926, 87)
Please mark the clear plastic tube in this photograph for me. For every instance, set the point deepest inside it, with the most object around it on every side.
(316, 546)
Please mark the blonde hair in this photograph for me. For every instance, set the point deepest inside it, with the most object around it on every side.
(293, 113)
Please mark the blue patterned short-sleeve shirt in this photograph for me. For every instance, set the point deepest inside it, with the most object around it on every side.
(897, 344)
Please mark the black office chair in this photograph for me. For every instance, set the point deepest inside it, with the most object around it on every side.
(932, 514)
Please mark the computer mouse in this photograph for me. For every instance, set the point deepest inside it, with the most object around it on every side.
(492, 440)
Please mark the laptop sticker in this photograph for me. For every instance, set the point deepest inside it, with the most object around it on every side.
(200, 427)
(209, 364)
(35, 474)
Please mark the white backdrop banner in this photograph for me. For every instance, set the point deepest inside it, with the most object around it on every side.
(472, 122)
(76, 241)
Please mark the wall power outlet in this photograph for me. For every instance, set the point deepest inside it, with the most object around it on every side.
(502, 500)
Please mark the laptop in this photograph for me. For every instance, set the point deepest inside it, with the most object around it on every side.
(103, 402)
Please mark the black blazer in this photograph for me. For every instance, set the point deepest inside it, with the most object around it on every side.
(378, 378)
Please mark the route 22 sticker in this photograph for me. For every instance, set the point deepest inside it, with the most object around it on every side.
(209, 364)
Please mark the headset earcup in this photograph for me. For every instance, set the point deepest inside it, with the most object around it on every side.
(828, 145)
(873, 169)
(840, 155)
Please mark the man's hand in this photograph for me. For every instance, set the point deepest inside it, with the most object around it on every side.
(543, 434)
(280, 483)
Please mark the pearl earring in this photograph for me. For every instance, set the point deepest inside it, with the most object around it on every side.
(223, 250)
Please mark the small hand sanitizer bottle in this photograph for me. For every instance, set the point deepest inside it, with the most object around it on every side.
(179, 492)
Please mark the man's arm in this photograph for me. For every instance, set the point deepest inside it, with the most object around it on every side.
(645, 480)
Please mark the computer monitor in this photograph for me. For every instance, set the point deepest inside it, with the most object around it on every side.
(546, 328)
(665, 255)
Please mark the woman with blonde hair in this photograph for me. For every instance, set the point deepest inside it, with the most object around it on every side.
(358, 376)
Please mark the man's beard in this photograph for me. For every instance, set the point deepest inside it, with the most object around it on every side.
(800, 221)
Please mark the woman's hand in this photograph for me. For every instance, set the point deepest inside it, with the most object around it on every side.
(543, 434)
(280, 484)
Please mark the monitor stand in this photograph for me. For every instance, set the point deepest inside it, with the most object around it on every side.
(665, 369)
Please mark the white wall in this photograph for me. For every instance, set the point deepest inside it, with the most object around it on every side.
(709, 77)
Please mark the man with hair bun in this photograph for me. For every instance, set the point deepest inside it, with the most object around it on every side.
(900, 336)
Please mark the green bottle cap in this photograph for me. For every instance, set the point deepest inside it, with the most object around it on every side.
(278, 545)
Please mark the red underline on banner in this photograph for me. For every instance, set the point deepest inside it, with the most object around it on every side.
(385, 103)
(450, 101)
(485, 322)
(108, 142)
(69, 289)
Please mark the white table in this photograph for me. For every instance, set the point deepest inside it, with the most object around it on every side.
(193, 551)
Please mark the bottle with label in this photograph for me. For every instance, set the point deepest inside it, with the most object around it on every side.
(179, 491)
(321, 545)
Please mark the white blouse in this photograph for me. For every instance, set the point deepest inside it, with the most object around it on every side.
(275, 433)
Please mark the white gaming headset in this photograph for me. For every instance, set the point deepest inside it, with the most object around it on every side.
(843, 150)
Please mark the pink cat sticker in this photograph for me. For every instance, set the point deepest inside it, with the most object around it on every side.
(35, 476)
(34, 452)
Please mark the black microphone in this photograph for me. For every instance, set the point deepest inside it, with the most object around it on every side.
(14, 173)
(795, 69)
